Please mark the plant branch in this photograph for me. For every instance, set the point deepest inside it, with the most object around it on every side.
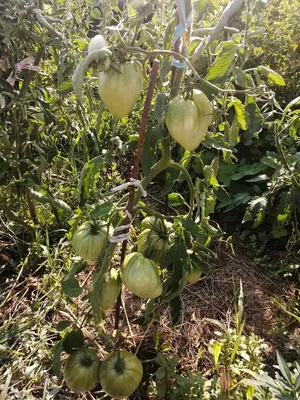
(150, 53)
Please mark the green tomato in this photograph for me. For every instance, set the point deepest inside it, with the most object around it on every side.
(153, 244)
(194, 275)
(120, 374)
(140, 275)
(110, 290)
(156, 224)
(198, 267)
(120, 87)
(183, 120)
(81, 370)
(90, 239)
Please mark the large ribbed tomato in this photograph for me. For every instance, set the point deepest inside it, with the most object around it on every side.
(81, 370)
(110, 290)
(89, 240)
(120, 87)
(155, 223)
(120, 374)
(155, 238)
(140, 275)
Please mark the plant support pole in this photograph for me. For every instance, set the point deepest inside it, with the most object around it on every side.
(136, 165)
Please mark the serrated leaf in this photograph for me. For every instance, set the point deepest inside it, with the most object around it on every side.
(102, 210)
(87, 178)
(65, 87)
(191, 227)
(73, 340)
(210, 177)
(254, 120)
(223, 61)
(284, 369)
(71, 287)
(271, 75)
(240, 113)
(56, 365)
(62, 325)
(248, 170)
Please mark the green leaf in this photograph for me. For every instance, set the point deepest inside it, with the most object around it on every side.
(191, 227)
(71, 287)
(176, 310)
(248, 170)
(271, 75)
(102, 210)
(159, 106)
(87, 176)
(73, 340)
(271, 161)
(170, 178)
(65, 88)
(254, 120)
(175, 199)
(210, 177)
(149, 152)
(279, 232)
(62, 325)
(223, 61)
(217, 348)
(239, 112)
(284, 369)
(56, 365)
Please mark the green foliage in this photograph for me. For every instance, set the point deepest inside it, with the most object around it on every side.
(62, 153)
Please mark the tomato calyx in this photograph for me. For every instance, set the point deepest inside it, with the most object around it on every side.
(120, 364)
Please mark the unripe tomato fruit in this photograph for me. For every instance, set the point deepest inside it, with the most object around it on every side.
(120, 374)
(89, 240)
(140, 275)
(96, 43)
(81, 370)
(120, 87)
(152, 222)
(110, 290)
(194, 275)
(183, 122)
